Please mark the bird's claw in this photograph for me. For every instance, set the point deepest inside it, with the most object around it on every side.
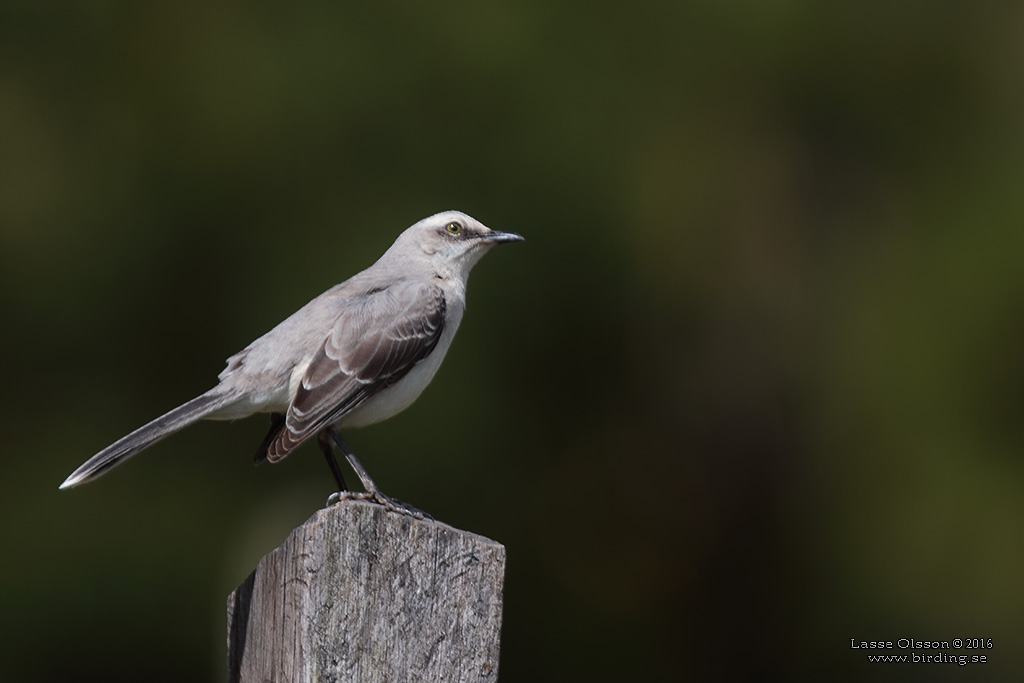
(395, 505)
(339, 496)
(389, 503)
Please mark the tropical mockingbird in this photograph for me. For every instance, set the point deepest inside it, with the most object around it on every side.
(357, 354)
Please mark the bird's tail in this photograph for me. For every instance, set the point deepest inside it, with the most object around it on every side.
(145, 436)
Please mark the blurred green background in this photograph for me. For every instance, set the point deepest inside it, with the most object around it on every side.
(751, 388)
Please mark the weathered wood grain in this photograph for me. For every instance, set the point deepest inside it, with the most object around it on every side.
(360, 594)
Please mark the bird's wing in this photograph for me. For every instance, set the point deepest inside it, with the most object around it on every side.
(378, 338)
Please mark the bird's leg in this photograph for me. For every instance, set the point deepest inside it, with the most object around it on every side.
(372, 492)
(327, 448)
(352, 460)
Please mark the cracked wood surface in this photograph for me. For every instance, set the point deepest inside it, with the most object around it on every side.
(359, 594)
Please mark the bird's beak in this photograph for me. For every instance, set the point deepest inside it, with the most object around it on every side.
(499, 236)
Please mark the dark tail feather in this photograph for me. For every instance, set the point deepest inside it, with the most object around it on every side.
(277, 422)
(145, 436)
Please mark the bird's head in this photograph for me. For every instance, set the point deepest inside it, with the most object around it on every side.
(450, 241)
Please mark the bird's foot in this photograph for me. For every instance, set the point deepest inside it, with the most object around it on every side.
(395, 505)
(339, 496)
(389, 503)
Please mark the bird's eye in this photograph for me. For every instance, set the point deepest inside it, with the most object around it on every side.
(454, 227)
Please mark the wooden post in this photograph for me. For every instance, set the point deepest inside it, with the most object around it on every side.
(359, 594)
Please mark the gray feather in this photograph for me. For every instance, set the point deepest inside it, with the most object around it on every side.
(144, 436)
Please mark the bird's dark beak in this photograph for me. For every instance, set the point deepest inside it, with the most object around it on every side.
(499, 236)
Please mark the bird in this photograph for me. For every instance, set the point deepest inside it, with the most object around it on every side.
(359, 353)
